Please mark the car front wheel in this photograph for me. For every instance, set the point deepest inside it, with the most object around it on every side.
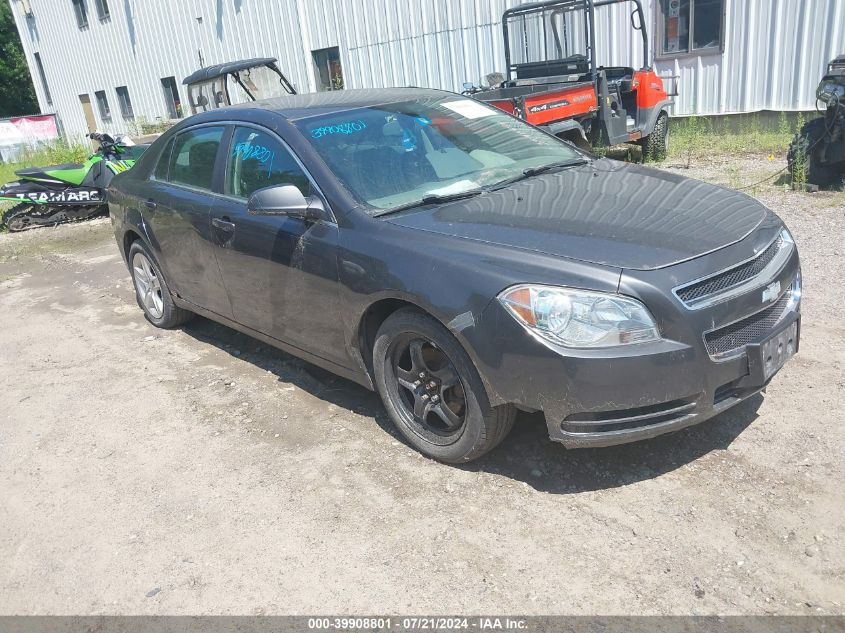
(432, 391)
(152, 291)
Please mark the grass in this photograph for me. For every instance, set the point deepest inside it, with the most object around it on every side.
(744, 134)
(706, 138)
(694, 139)
(52, 154)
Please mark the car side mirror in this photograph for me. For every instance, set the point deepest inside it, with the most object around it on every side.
(285, 200)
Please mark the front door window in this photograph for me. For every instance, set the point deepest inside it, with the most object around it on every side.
(257, 160)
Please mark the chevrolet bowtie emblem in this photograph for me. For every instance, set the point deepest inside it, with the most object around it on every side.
(771, 292)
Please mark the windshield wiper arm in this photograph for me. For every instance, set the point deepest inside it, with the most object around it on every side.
(530, 172)
(534, 171)
(433, 198)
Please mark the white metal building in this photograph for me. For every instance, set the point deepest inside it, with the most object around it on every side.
(109, 63)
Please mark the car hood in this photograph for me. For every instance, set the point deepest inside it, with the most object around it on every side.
(606, 212)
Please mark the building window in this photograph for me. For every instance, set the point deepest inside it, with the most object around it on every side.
(43, 78)
(81, 11)
(125, 103)
(102, 9)
(171, 97)
(103, 105)
(688, 26)
(329, 72)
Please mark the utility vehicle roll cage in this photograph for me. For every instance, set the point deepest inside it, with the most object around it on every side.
(559, 7)
(206, 77)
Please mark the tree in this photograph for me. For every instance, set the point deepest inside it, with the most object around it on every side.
(18, 94)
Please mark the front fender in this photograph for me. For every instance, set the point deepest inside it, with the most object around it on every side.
(452, 279)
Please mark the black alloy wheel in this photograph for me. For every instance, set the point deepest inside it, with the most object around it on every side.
(433, 392)
(430, 388)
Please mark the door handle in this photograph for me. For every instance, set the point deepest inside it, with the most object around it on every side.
(150, 203)
(224, 224)
(225, 231)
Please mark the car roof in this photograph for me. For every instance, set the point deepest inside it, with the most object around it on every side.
(310, 104)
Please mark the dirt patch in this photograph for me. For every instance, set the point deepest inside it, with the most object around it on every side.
(199, 471)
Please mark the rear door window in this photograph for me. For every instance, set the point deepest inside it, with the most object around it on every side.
(193, 157)
(257, 160)
(163, 164)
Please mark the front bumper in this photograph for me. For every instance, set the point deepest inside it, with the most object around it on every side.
(617, 395)
(610, 427)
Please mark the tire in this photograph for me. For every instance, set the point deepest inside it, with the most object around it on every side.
(462, 425)
(805, 154)
(151, 290)
(656, 145)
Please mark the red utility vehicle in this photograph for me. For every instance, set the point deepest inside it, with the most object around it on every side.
(553, 81)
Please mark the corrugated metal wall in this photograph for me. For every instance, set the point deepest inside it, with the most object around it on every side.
(145, 40)
(774, 51)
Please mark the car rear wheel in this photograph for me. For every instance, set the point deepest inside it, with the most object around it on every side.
(432, 391)
(152, 291)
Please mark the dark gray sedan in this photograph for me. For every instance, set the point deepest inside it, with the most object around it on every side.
(463, 264)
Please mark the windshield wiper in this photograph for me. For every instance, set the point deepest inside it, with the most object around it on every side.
(432, 198)
(439, 198)
(530, 172)
(534, 171)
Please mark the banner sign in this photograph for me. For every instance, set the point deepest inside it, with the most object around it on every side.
(28, 130)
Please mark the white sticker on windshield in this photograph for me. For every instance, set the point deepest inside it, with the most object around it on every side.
(469, 108)
(455, 187)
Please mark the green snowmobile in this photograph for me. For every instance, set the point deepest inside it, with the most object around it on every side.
(70, 192)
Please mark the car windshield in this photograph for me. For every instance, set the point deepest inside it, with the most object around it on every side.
(399, 154)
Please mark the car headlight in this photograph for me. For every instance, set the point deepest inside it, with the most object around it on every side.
(580, 318)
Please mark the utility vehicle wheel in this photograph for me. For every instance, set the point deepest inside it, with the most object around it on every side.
(805, 154)
(656, 145)
(432, 391)
(151, 290)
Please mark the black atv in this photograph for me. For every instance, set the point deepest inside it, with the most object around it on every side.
(819, 147)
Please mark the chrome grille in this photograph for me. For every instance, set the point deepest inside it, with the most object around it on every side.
(731, 277)
(751, 329)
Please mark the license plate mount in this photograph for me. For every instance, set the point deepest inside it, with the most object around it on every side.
(766, 358)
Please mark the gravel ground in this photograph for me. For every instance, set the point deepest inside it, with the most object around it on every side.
(199, 471)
